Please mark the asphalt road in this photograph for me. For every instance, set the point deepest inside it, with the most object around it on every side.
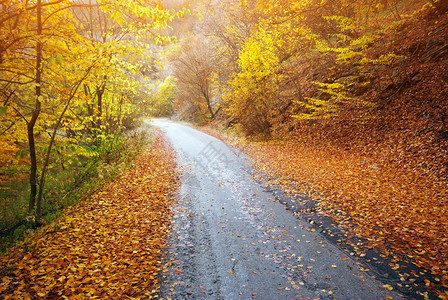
(232, 240)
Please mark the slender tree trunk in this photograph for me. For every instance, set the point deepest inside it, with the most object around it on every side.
(99, 93)
(210, 109)
(32, 147)
(206, 95)
(90, 109)
(36, 112)
(47, 161)
(217, 111)
(53, 137)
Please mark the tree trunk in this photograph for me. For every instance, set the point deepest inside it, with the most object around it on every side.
(32, 147)
(36, 111)
(210, 109)
(205, 93)
(99, 93)
(47, 161)
(53, 137)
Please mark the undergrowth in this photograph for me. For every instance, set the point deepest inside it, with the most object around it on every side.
(67, 184)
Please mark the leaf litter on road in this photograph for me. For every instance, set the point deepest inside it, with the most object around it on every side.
(108, 246)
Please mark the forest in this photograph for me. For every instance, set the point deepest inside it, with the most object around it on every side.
(345, 101)
(74, 78)
(342, 100)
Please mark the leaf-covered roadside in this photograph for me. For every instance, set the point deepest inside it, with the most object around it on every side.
(108, 246)
(391, 208)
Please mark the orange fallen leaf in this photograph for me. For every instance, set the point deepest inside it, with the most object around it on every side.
(140, 199)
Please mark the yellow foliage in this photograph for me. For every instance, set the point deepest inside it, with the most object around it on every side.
(290, 37)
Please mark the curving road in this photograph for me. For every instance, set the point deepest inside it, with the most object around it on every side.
(231, 240)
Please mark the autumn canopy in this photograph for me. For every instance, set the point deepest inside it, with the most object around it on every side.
(345, 99)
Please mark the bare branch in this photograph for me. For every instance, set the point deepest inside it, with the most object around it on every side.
(16, 82)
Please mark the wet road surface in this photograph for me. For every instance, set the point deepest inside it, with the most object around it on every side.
(232, 240)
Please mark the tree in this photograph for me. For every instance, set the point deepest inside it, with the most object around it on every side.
(296, 60)
(165, 97)
(41, 90)
(196, 73)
